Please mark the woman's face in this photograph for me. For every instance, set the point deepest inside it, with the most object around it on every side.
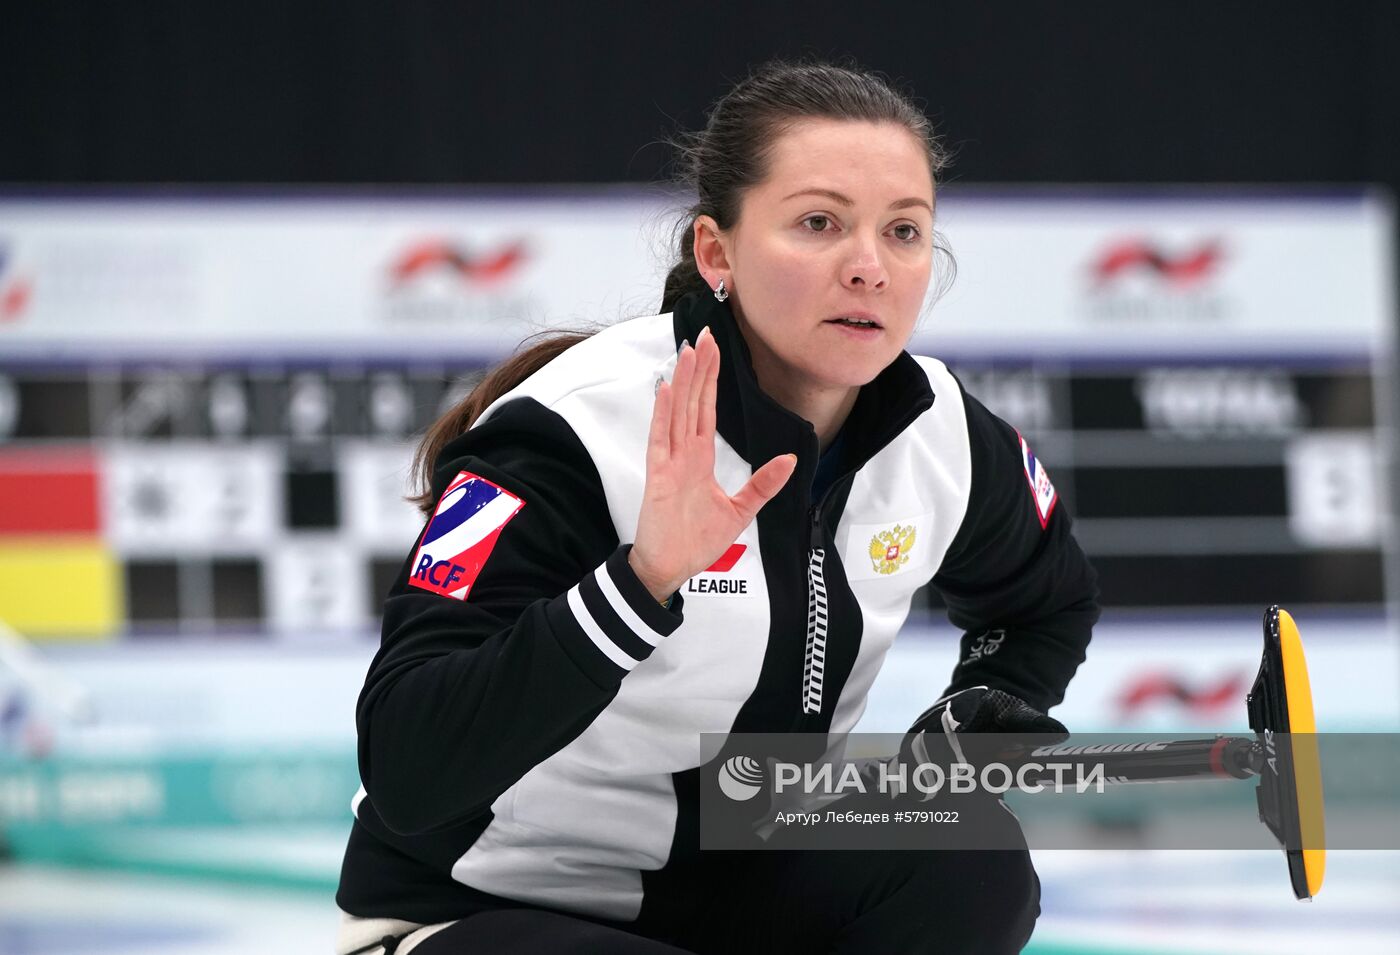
(831, 254)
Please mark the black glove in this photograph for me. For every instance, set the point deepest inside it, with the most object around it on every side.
(956, 728)
(979, 709)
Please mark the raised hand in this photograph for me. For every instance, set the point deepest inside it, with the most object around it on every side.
(687, 520)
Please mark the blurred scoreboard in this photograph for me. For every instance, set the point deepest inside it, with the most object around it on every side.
(208, 408)
(227, 499)
(272, 496)
(1203, 483)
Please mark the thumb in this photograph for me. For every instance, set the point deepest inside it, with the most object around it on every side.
(766, 482)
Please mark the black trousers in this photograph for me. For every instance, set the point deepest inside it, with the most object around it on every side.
(982, 901)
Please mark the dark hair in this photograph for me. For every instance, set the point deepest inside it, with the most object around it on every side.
(720, 163)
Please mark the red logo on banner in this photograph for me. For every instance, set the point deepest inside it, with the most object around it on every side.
(15, 290)
(436, 254)
(1135, 255)
(1200, 700)
(13, 299)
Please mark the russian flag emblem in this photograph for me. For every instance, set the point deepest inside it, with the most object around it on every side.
(463, 531)
(1042, 491)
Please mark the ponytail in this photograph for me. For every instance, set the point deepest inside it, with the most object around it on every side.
(463, 415)
(684, 276)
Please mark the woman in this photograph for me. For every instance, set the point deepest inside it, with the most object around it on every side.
(709, 520)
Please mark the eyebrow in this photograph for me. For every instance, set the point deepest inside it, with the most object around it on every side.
(847, 201)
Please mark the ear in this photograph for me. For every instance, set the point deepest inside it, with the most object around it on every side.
(711, 247)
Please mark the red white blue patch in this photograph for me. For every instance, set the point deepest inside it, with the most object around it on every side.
(1042, 491)
(464, 529)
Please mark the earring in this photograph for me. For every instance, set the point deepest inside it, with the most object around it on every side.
(721, 293)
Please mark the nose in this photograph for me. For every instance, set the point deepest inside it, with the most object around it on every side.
(864, 269)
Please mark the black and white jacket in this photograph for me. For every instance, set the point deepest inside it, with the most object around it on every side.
(529, 729)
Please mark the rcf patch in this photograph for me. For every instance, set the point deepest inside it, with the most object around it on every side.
(1042, 491)
(464, 529)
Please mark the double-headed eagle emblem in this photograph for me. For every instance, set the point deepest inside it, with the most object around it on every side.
(889, 550)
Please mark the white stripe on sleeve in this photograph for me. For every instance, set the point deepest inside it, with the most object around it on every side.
(595, 633)
(623, 609)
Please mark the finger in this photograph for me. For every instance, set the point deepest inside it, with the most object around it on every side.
(658, 440)
(697, 385)
(710, 388)
(680, 389)
(766, 482)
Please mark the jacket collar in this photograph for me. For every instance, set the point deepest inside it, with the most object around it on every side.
(759, 428)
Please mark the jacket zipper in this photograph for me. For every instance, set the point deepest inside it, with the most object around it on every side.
(814, 664)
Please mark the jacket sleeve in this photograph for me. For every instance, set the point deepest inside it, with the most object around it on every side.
(466, 695)
(1017, 584)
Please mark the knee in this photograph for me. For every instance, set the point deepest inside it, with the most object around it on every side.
(989, 900)
(1001, 901)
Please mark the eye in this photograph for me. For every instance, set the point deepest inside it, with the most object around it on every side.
(912, 234)
(822, 223)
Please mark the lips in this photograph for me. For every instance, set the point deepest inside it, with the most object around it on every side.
(856, 320)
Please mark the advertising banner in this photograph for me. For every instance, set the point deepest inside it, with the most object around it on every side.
(475, 272)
